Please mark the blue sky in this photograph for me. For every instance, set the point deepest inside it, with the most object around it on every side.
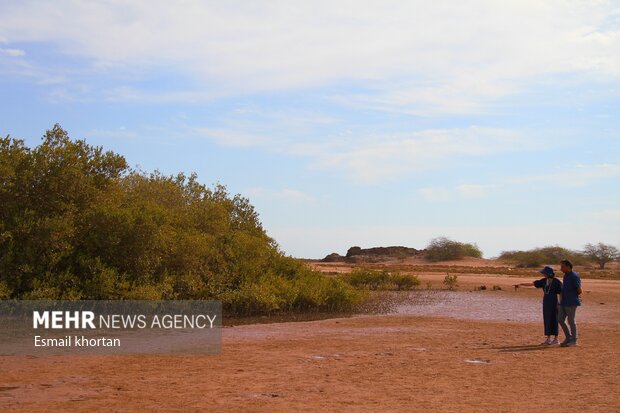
(344, 122)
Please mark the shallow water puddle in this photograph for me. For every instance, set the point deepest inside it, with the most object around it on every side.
(472, 306)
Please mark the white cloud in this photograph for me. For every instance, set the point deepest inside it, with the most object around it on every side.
(607, 214)
(377, 158)
(296, 196)
(576, 176)
(14, 62)
(12, 52)
(435, 194)
(475, 190)
(290, 132)
(286, 194)
(369, 159)
(229, 137)
(119, 133)
(464, 191)
(412, 56)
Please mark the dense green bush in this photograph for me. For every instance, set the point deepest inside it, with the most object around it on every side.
(5, 293)
(308, 291)
(405, 282)
(537, 257)
(445, 249)
(380, 280)
(367, 279)
(77, 223)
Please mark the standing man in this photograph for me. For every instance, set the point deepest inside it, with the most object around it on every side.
(571, 290)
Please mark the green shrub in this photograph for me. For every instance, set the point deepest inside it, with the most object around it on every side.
(310, 291)
(5, 293)
(537, 257)
(340, 296)
(367, 279)
(450, 281)
(41, 293)
(322, 293)
(380, 280)
(161, 290)
(471, 250)
(444, 249)
(405, 282)
(524, 259)
(77, 223)
(254, 298)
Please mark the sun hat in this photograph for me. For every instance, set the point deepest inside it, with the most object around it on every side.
(547, 272)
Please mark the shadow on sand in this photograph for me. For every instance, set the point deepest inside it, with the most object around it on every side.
(528, 347)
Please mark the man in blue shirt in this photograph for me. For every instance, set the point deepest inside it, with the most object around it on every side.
(570, 300)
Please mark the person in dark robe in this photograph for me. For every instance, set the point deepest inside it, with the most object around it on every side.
(552, 288)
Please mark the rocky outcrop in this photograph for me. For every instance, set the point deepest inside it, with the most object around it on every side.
(375, 254)
(334, 257)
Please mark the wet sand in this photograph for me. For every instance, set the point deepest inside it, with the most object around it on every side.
(451, 351)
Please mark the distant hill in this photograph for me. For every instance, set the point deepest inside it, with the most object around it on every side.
(375, 254)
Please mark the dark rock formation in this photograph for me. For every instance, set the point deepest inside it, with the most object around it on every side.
(376, 254)
(334, 257)
(353, 251)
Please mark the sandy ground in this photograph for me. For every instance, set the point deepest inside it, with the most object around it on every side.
(443, 351)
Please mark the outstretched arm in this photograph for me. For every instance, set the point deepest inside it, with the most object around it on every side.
(523, 285)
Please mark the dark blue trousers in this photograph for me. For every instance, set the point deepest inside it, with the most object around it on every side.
(550, 317)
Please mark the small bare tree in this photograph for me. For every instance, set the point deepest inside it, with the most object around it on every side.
(601, 253)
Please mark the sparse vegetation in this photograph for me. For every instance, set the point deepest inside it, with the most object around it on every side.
(543, 256)
(4, 291)
(601, 253)
(445, 249)
(380, 280)
(484, 288)
(450, 281)
(405, 282)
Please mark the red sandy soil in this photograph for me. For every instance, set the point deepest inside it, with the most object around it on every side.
(399, 362)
